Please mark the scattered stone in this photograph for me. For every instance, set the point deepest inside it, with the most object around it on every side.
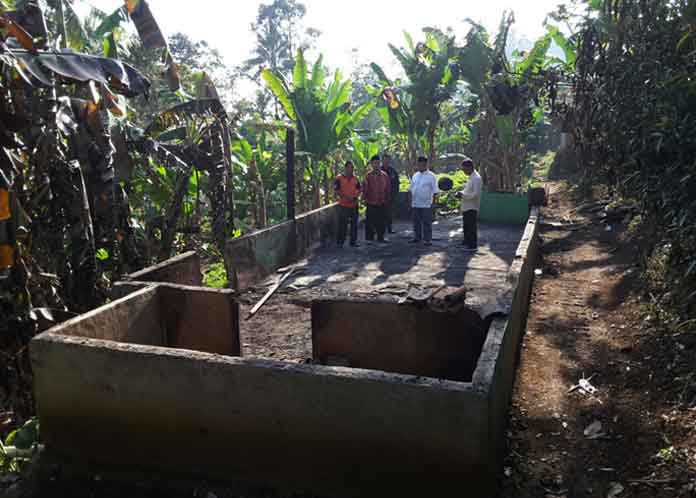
(594, 430)
(615, 489)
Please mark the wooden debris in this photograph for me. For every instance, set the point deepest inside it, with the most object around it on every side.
(270, 293)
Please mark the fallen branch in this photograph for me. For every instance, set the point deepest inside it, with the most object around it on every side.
(270, 293)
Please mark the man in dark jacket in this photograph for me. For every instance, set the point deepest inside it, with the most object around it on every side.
(394, 190)
(376, 191)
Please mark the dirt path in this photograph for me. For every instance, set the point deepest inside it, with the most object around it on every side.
(586, 320)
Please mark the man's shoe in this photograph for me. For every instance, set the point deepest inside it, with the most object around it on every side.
(428, 244)
(355, 244)
(470, 249)
(414, 241)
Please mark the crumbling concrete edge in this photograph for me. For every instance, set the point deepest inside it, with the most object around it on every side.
(495, 372)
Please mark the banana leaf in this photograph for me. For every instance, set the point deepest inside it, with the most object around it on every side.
(145, 23)
(176, 116)
(74, 66)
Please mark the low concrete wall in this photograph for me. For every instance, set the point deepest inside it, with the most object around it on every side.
(495, 373)
(337, 431)
(134, 320)
(184, 269)
(331, 430)
(261, 253)
(397, 338)
(165, 315)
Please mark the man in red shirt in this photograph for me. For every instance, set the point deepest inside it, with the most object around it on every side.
(376, 193)
(347, 188)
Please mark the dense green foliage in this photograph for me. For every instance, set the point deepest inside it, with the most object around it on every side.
(633, 119)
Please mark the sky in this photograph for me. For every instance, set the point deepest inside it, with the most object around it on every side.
(353, 31)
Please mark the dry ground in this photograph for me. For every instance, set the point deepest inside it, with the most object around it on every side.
(588, 318)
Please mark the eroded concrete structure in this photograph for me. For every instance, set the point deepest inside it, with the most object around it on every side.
(420, 411)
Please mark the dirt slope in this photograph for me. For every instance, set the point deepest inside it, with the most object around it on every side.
(588, 319)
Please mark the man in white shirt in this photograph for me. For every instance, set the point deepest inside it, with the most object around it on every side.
(423, 194)
(471, 204)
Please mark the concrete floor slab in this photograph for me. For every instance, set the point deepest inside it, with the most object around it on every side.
(282, 329)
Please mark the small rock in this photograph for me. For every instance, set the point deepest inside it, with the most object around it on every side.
(615, 489)
(594, 430)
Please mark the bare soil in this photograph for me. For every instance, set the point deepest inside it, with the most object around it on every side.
(589, 318)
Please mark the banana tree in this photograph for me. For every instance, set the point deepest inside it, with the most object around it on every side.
(509, 94)
(257, 162)
(321, 113)
(412, 107)
(361, 153)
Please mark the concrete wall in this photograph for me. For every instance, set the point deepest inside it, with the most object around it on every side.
(184, 269)
(200, 319)
(336, 431)
(261, 253)
(135, 320)
(495, 373)
(397, 338)
(168, 315)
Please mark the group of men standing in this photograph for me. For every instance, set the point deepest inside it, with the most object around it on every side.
(379, 191)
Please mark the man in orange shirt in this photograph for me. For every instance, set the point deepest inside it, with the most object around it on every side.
(347, 188)
(376, 193)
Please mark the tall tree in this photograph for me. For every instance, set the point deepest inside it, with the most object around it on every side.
(279, 33)
(321, 112)
(432, 70)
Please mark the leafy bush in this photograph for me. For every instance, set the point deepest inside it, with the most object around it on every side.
(215, 276)
(19, 447)
(633, 120)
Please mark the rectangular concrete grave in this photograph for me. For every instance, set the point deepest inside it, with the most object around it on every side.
(335, 431)
(399, 338)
